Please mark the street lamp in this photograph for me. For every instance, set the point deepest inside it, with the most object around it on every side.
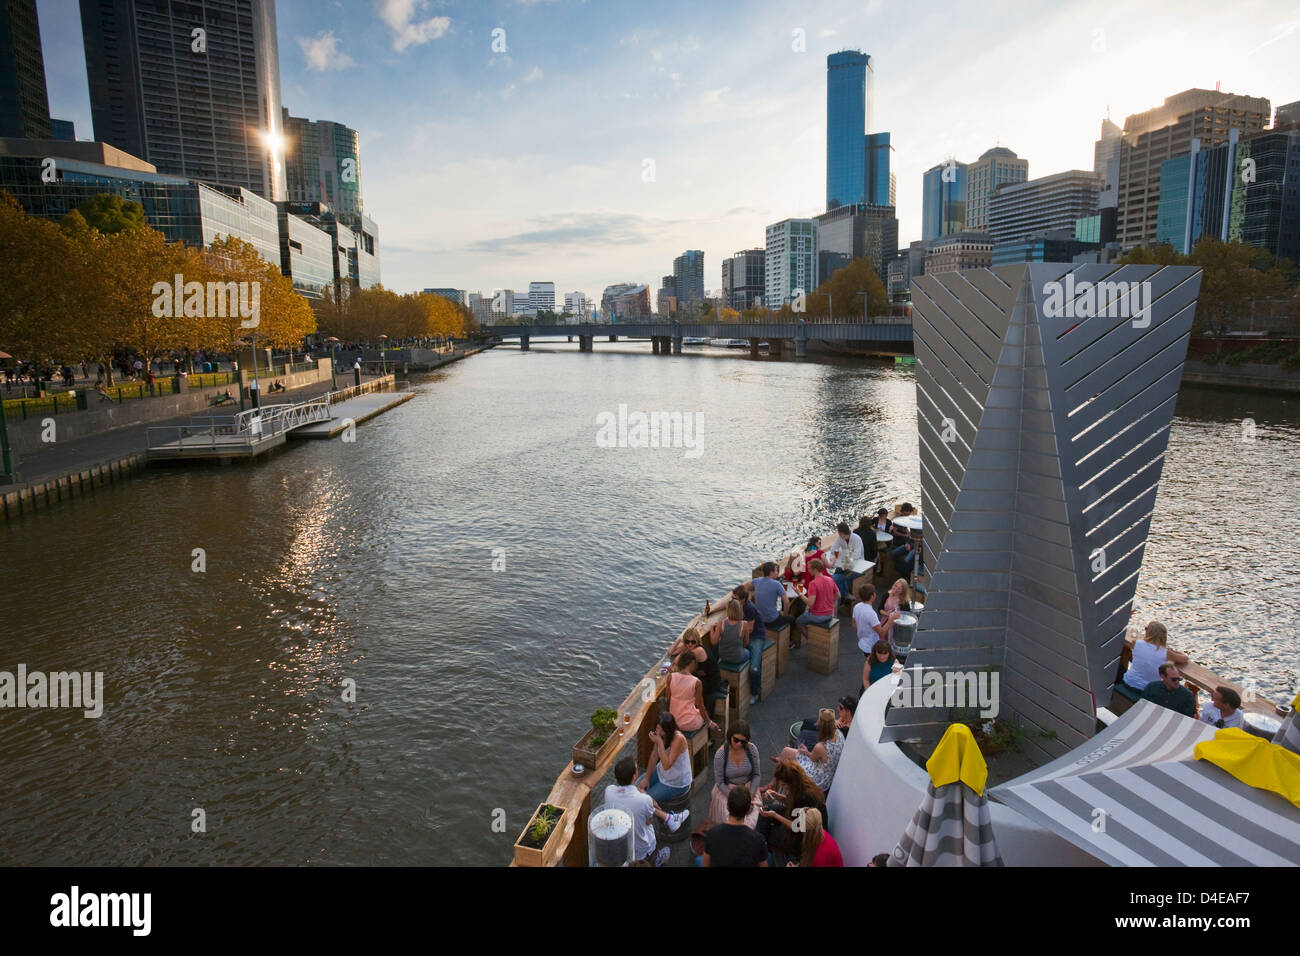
(382, 354)
(830, 304)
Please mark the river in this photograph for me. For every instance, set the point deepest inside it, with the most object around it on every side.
(485, 574)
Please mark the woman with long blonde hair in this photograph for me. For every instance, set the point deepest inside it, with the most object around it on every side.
(899, 599)
(731, 635)
(819, 847)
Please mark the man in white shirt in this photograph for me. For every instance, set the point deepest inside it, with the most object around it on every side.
(867, 622)
(843, 554)
(622, 795)
(1224, 708)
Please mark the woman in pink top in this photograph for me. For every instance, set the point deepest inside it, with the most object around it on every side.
(686, 695)
(899, 599)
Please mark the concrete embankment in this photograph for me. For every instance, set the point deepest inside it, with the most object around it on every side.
(1243, 377)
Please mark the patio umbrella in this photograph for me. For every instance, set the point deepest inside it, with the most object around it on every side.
(1288, 735)
(952, 826)
(1137, 795)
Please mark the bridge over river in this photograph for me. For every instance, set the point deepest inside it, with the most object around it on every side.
(886, 333)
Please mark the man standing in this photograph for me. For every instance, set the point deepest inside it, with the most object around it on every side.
(844, 553)
(1169, 692)
(622, 795)
(867, 622)
(822, 595)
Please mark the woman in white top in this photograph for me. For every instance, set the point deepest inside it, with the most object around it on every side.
(669, 774)
(1148, 654)
(820, 762)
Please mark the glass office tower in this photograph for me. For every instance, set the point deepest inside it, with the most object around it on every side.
(848, 106)
(943, 210)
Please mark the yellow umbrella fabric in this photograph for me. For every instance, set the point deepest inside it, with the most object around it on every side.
(956, 758)
(1254, 761)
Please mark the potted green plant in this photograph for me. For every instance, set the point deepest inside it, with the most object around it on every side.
(538, 844)
(597, 742)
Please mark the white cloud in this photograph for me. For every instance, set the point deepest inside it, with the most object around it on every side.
(399, 15)
(536, 74)
(826, 32)
(322, 52)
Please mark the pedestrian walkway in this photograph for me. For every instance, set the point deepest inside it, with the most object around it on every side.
(344, 415)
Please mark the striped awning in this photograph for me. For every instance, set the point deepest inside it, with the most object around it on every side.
(951, 827)
(1134, 795)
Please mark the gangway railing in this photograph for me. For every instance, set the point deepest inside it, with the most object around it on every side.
(243, 430)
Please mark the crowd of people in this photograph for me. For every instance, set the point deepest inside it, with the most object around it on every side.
(782, 822)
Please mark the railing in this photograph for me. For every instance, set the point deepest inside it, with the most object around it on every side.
(242, 430)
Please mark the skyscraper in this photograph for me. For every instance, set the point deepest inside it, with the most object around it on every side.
(541, 296)
(688, 279)
(193, 89)
(742, 279)
(848, 105)
(994, 167)
(1151, 137)
(879, 189)
(24, 106)
(1048, 203)
(322, 163)
(943, 201)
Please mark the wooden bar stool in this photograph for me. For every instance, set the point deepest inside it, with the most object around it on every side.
(824, 647)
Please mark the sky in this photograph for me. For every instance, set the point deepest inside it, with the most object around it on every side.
(589, 143)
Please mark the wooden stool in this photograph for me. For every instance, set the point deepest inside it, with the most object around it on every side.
(737, 676)
(698, 741)
(781, 637)
(824, 647)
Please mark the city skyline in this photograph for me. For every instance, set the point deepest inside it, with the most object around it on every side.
(621, 167)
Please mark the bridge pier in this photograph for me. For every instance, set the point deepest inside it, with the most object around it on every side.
(665, 345)
(570, 338)
(523, 343)
(801, 339)
(677, 345)
(753, 348)
(654, 344)
(613, 338)
(585, 343)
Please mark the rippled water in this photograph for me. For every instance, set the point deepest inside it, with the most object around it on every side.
(372, 562)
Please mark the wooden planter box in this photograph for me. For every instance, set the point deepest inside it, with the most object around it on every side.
(587, 755)
(526, 855)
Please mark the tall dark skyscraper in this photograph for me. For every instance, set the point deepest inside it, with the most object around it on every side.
(24, 105)
(688, 277)
(192, 88)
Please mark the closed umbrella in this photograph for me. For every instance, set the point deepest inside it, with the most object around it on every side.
(953, 825)
(1288, 735)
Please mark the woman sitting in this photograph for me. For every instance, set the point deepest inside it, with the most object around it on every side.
(686, 695)
(706, 661)
(1148, 654)
(819, 847)
(820, 762)
(790, 791)
(730, 635)
(798, 567)
(879, 664)
(735, 765)
(844, 711)
(898, 599)
(669, 774)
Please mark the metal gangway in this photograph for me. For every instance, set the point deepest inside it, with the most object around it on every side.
(241, 435)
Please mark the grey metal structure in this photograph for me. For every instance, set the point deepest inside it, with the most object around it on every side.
(1043, 406)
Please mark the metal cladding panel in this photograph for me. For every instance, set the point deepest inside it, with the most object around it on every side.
(1069, 374)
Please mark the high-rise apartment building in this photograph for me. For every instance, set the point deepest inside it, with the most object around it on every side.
(541, 296)
(192, 88)
(1019, 210)
(742, 279)
(790, 260)
(322, 163)
(24, 104)
(1151, 137)
(688, 279)
(943, 200)
(1105, 163)
(994, 167)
